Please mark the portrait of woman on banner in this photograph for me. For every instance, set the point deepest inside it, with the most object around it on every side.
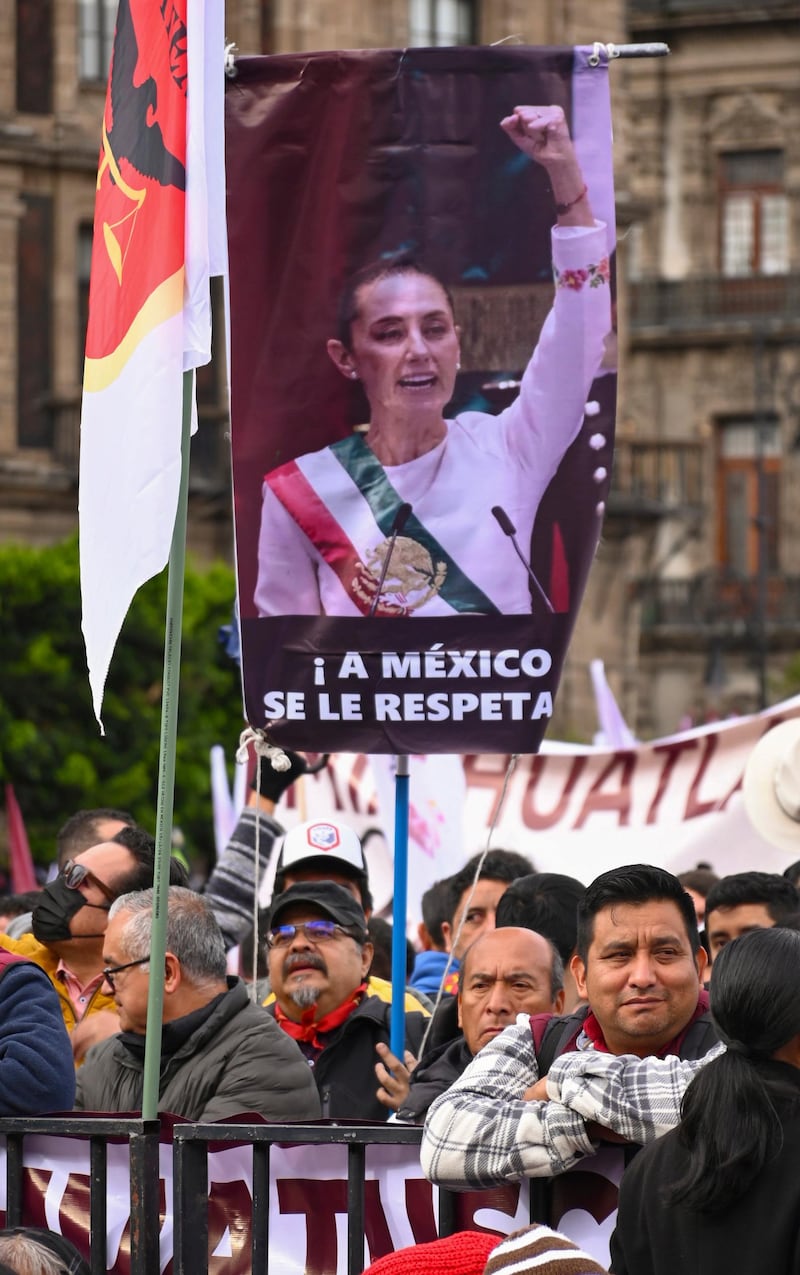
(417, 514)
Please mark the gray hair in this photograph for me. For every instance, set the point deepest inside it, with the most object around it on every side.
(28, 1256)
(193, 935)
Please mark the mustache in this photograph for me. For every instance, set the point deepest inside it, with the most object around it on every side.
(309, 960)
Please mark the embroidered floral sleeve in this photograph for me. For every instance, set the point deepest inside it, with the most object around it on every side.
(594, 275)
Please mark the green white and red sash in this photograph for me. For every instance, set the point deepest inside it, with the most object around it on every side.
(357, 489)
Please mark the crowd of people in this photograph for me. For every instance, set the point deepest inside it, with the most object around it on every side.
(548, 1024)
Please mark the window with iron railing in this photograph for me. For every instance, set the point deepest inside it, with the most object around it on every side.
(754, 209)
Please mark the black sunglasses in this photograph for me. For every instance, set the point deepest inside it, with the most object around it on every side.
(74, 875)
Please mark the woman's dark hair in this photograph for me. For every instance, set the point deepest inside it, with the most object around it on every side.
(383, 269)
(729, 1123)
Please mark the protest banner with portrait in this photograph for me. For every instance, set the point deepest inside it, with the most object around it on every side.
(422, 387)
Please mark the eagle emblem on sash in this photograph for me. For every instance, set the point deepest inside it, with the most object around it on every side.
(412, 579)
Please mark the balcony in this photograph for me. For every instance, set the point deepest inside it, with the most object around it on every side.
(717, 604)
(655, 477)
(714, 303)
(694, 13)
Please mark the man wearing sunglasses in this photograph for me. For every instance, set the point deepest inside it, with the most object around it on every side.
(319, 958)
(71, 917)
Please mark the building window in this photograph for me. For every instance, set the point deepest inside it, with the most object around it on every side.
(34, 322)
(96, 20)
(748, 491)
(439, 22)
(35, 56)
(754, 214)
(84, 269)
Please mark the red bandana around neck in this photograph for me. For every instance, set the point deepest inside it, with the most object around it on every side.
(308, 1031)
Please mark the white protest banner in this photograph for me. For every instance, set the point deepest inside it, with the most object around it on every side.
(582, 810)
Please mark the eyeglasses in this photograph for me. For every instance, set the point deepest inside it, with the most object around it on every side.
(314, 931)
(110, 972)
(74, 874)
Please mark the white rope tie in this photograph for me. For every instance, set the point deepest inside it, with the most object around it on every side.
(280, 762)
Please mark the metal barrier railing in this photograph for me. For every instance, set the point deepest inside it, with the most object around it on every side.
(143, 1141)
(190, 1193)
(190, 1167)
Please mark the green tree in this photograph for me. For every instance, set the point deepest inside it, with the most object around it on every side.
(790, 680)
(50, 746)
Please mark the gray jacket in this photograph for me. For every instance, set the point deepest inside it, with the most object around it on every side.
(238, 1061)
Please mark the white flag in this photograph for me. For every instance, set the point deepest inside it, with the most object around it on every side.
(159, 235)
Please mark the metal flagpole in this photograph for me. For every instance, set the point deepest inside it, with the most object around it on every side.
(397, 1022)
(166, 768)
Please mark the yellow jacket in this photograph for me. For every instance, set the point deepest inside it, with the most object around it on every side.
(33, 950)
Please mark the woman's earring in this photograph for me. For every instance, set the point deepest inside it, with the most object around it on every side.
(354, 376)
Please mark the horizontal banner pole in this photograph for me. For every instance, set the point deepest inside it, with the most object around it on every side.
(651, 50)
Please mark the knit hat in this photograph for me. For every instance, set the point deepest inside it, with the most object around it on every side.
(537, 1250)
(464, 1253)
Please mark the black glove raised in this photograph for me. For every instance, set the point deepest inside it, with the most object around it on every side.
(271, 783)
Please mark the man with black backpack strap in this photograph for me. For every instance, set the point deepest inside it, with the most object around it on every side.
(639, 965)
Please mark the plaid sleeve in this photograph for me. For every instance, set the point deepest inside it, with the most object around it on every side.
(639, 1098)
(229, 889)
(482, 1131)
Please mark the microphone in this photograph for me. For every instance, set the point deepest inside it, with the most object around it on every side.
(508, 529)
(398, 523)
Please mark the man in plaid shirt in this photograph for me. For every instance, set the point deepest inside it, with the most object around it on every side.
(639, 965)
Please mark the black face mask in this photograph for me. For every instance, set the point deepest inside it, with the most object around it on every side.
(56, 907)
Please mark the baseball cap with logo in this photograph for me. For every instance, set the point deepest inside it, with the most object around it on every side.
(322, 839)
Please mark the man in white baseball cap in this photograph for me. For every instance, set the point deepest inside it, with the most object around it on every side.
(327, 850)
(324, 850)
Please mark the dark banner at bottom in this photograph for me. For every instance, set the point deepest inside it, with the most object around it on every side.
(384, 686)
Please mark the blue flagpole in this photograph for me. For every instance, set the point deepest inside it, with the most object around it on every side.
(397, 1035)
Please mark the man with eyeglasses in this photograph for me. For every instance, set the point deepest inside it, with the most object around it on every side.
(221, 1055)
(319, 958)
(71, 916)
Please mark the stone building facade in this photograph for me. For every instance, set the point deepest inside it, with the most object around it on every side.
(711, 395)
(690, 602)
